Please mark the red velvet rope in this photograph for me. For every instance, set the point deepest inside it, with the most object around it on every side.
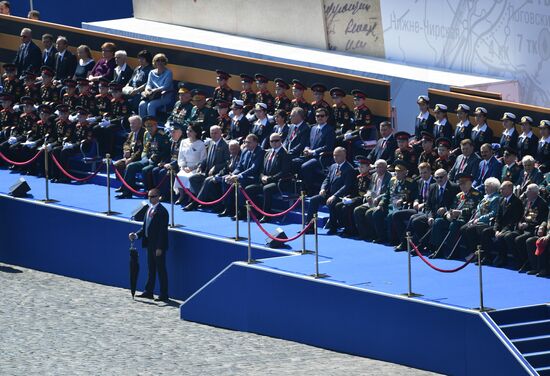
(269, 214)
(206, 203)
(138, 193)
(21, 163)
(74, 177)
(435, 267)
(275, 238)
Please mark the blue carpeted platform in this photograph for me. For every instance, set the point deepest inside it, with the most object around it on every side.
(358, 309)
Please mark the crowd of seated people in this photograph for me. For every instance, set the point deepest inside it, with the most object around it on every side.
(452, 186)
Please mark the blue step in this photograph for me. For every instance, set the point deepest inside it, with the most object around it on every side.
(526, 329)
(512, 316)
(538, 359)
(532, 344)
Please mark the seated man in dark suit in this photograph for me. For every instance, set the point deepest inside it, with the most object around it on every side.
(297, 137)
(212, 186)
(123, 72)
(154, 235)
(466, 163)
(65, 61)
(318, 152)
(275, 170)
(216, 159)
(339, 182)
(247, 173)
(385, 146)
(489, 167)
(530, 175)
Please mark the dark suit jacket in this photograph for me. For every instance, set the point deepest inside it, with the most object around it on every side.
(471, 166)
(278, 167)
(124, 75)
(420, 185)
(297, 139)
(29, 59)
(220, 159)
(446, 201)
(322, 140)
(158, 230)
(65, 68)
(383, 186)
(340, 183)
(445, 130)
(381, 151)
(48, 58)
(535, 177)
(493, 171)
(508, 214)
(250, 166)
(232, 164)
(480, 138)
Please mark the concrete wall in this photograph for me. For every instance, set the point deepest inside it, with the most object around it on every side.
(288, 21)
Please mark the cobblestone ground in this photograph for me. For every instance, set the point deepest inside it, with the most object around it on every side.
(52, 325)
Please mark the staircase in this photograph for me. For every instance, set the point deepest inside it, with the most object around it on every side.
(528, 329)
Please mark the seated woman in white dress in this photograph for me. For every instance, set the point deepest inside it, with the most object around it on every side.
(192, 152)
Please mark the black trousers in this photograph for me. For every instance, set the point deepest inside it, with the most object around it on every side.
(156, 264)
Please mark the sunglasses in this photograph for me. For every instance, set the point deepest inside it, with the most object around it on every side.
(319, 115)
(153, 196)
(272, 141)
(439, 177)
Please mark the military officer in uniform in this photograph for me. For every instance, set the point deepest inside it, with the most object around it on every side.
(343, 116)
(30, 88)
(543, 148)
(463, 128)
(222, 91)
(85, 97)
(240, 126)
(65, 132)
(181, 110)
(103, 98)
(510, 168)
(527, 141)
(132, 147)
(282, 101)
(49, 93)
(424, 122)
(318, 91)
(264, 95)
(70, 97)
(202, 115)
(405, 153)
(298, 89)
(156, 149)
(428, 155)
(18, 133)
(481, 133)
(446, 229)
(11, 84)
(445, 159)
(248, 96)
(36, 138)
(401, 193)
(8, 118)
(509, 137)
(343, 212)
(362, 123)
(224, 121)
(442, 127)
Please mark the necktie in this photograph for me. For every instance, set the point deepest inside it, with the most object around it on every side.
(441, 189)
(425, 191)
(270, 161)
(484, 169)
(211, 156)
(384, 143)
(462, 163)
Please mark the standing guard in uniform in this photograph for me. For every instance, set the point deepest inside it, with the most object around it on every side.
(463, 128)
(405, 153)
(509, 137)
(262, 127)
(343, 116)
(481, 133)
(527, 141)
(442, 127)
(543, 148)
(424, 122)
(263, 95)
(298, 89)
(445, 233)
(318, 91)
(282, 102)
(248, 96)
(240, 126)
(222, 91)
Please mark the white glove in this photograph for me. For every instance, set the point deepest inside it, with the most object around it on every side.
(251, 117)
(12, 140)
(347, 200)
(68, 145)
(347, 136)
(105, 123)
(49, 146)
(17, 108)
(73, 118)
(30, 144)
(91, 120)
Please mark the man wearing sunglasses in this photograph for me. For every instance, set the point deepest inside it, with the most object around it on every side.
(154, 235)
(29, 56)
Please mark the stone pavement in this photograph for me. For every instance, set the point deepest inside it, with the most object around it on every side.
(53, 325)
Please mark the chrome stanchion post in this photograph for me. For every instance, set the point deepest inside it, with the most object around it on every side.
(316, 236)
(303, 198)
(481, 307)
(409, 293)
(47, 200)
(172, 221)
(249, 260)
(108, 172)
(236, 185)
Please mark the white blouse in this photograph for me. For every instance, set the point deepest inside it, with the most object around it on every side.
(191, 154)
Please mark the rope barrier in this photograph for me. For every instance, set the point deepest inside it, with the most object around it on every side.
(21, 163)
(253, 216)
(435, 267)
(206, 203)
(67, 174)
(258, 209)
(138, 193)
